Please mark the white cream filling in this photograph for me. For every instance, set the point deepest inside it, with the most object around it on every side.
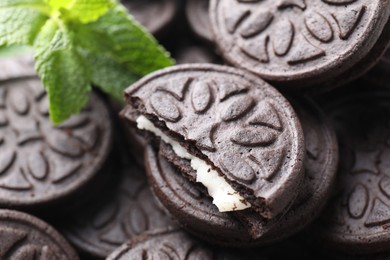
(224, 196)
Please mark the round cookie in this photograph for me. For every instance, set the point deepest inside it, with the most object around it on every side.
(155, 15)
(23, 236)
(235, 121)
(175, 244)
(358, 217)
(197, 12)
(196, 213)
(40, 164)
(299, 43)
(124, 210)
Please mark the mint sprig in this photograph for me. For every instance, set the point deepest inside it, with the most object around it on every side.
(80, 43)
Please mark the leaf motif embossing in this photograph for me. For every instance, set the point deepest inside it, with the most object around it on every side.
(226, 89)
(105, 216)
(384, 186)
(257, 51)
(305, 53)
(9, 237)
(177, 87)
(234, 18)
(269, 160)
(256, 136)
(44, 107)
(7, 158)
(15, 181)
(64, 171)
(165, 108)
(38, 165)
(138, 219)
(236, 108)
(379, 215)
(204, 137)
(358, 201)
(319, 27)
(266, 115)
(283, 37)
(26, 252)
(201, 96)
(64, 144)
(347, 22)
(256, 24)
(19, 102)
(238, 169)
(75, 122)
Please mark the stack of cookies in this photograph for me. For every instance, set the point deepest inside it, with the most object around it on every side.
(270, 139)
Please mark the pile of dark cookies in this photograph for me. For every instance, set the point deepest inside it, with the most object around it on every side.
(269, 140)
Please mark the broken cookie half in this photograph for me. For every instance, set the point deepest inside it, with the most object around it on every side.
(240, 136)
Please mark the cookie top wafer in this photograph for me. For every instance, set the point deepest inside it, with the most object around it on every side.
(232, 121)
(298, 40)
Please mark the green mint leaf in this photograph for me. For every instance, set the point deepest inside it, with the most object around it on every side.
(117, 34)
(62, 71)
(112, 77)
(89, 10)
(14, 50)
(21, 20)
(58, 4)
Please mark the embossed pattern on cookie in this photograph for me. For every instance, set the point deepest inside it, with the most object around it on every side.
(40, 163)
(358, 217)
(291, 40)
(123, 211)
(23, 236)
(243, 126)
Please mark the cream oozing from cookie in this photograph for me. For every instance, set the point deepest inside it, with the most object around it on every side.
(224, 196)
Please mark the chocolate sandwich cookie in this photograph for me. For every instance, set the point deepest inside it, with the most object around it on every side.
(195, 212)
(191, 207)
(23, 236)
(41, 165)
(240, 134)
(300, 43)
(155, 15)
(125, 209)
(176, 244)
(357, 219)
(197, 12)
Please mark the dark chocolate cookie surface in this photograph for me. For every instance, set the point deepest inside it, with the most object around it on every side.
(124, 210)
(358, 217)
(244, 127)
(23, 236)
(155, 15)
(320, 172)
(197, 12)
(175, 244)
(39, 163)
(297, 40)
